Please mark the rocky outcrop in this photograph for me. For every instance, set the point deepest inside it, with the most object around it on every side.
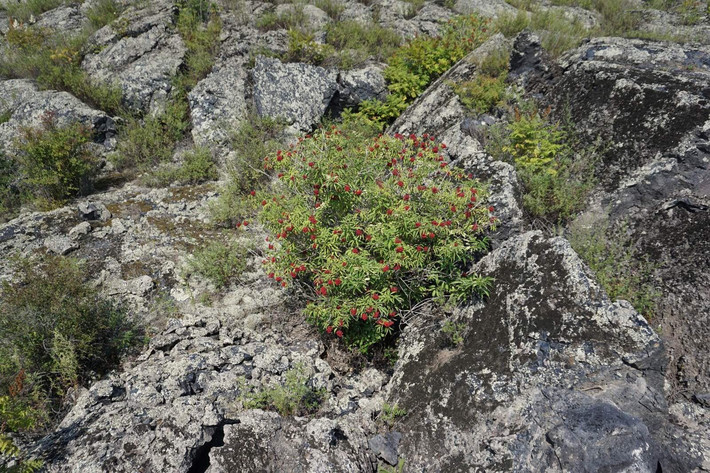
(140, 52)
(547, 369)
(28, 107)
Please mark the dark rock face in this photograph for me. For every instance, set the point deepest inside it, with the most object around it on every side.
(651, 103)
(551, 376)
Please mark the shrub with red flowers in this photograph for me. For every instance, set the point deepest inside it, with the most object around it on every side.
(371, 228)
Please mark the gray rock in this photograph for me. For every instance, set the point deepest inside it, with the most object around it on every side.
(316, 18)
(66, 19)
(140, 52)
(297, 93)
(29, 107)
(385, 446)
(488, 8)
(365, 83)
(544, 358)
(60, 245)
(79, 230)
(218, 103)
(94, 211)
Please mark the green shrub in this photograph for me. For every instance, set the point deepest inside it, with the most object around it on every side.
(454, 331)
(23, 10)
(221, 263)
(356, 43)
(556, 180)
(621, 271)
(295, 397)
(371, 228)
(302, 47)
(54, 162)
(197, 166)
(256, 138)
(420, 61)
(56, 332)
(332, 7)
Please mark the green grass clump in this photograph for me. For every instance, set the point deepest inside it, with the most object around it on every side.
(221, 263)
(294, 397)
(254, 139)
(196, 166)
(53, 60)
(621, 271)
(292, 18)
(332, 7)
(482, 93)
(103, 12)
(356, 42)
(23, 10)
(55, 333)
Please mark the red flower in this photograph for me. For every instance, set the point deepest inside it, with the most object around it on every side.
(385, 268)
(434, 190)
(339, 333)
(400, 183)
(252, 193)
(311, 164)
(397, 267)
(406, 197)
(376, 296)
(245, 223)
(353, 311)
(347, 188)
(356, 251)
(338, 282)
(389, 211)
(394, 289)
(399, 249)
(364, 316)
(491, 209)
(358, 232)
(358, 192)
(329, 329)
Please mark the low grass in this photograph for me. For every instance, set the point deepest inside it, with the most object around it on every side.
(221, 263)
(294, 397)
(24, 10)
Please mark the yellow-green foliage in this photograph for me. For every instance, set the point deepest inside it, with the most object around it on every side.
(355, 42)
(421, 60)
(482, 93)
(371, 227)
(390, 413)
(556, 175)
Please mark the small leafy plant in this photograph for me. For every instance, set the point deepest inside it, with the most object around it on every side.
(454, 331)
(370, 228)
(220, 262)
(294, 397)
(420, 61)
(390, 413)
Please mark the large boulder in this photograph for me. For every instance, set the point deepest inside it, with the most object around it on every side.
(550, 376)
(140, 52)
(28, 107)
(297, 93)
(650, 104)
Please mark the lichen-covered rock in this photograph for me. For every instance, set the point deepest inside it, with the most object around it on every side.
(28, 107)
(218, 103)
(365, 83)
(547, 369)
(140, 52)
(297, 93)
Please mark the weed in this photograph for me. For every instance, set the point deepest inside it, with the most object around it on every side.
(197, 166)
(332, 7)
(620, 270)
(5, 116)
(482, 93)
(302, 47)
(454, 331)
(356, 42)
(392, 469)
(292, 18)
(294, 397)
(390, 413)
(56, 332)
(221, 263)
